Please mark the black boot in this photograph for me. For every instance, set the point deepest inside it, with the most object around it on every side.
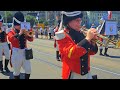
(106, 49)
(101, 52)
(27, 76)
(57, 55)
(6, 66)
(1, 66)
(17, 77)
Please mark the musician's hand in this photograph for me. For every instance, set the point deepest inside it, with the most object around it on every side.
(95, 34)
(22, 31)
(27, 33)
(90, 34)
(0, 31)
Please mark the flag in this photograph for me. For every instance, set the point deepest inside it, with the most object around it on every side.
(109, 15)
(104, 17)
(37, 17)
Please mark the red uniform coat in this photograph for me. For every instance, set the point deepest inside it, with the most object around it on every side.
(15, 42)
(70, 55)
(4, 35)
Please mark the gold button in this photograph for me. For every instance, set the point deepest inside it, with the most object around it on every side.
(88, 48)
(82, 66)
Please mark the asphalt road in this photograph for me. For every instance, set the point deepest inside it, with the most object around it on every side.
(45, 66)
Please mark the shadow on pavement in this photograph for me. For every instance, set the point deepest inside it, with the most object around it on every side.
(10, 74)
(114, 56)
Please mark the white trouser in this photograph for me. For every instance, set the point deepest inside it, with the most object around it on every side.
(18, 60)
(105, 43)
(57, 49)
(78, 76)
(4, 48)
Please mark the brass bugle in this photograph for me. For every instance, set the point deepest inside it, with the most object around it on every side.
(117, 44)
(29, 33)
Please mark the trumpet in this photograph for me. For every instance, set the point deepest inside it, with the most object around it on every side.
(116, 43)
(29, 33)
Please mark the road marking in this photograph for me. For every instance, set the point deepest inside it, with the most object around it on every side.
(91, 66)
(105, 70)
(52, 64)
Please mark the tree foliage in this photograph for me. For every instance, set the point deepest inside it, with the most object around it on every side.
(8, 17)
(31, 19)
(46, 23)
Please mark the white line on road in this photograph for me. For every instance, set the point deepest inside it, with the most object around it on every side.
(105, 70)
(91, 66)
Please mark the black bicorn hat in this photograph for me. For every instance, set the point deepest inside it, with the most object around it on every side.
(1, 18)
(70, 15)
(18, 18)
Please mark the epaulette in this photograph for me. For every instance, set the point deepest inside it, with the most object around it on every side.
(60, 35)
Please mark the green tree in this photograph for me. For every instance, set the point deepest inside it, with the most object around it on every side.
(8, 17)
(31, 19)
(46, 23)
(41, 20)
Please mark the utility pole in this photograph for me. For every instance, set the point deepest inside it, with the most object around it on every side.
(55, 17)
(6, 17)
(38, 16)
(46, 15)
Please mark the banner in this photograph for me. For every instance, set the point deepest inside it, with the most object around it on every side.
(25, 25)
(111, 27)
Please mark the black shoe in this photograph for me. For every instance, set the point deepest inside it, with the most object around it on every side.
(17, 77)
(6, 66)
(1, 70)
(1, 66)
(101, 54)
(7, 70)
(94, 76)
(106, 55)
(27, 76)
(58, 60)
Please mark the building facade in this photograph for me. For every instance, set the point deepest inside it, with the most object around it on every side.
(93, 17)
(89, 17)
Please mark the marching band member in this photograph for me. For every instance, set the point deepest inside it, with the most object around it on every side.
(93, 26)
(4, 48)
(75, 48)
(56, 44)
(101, 30)
(18, 39)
